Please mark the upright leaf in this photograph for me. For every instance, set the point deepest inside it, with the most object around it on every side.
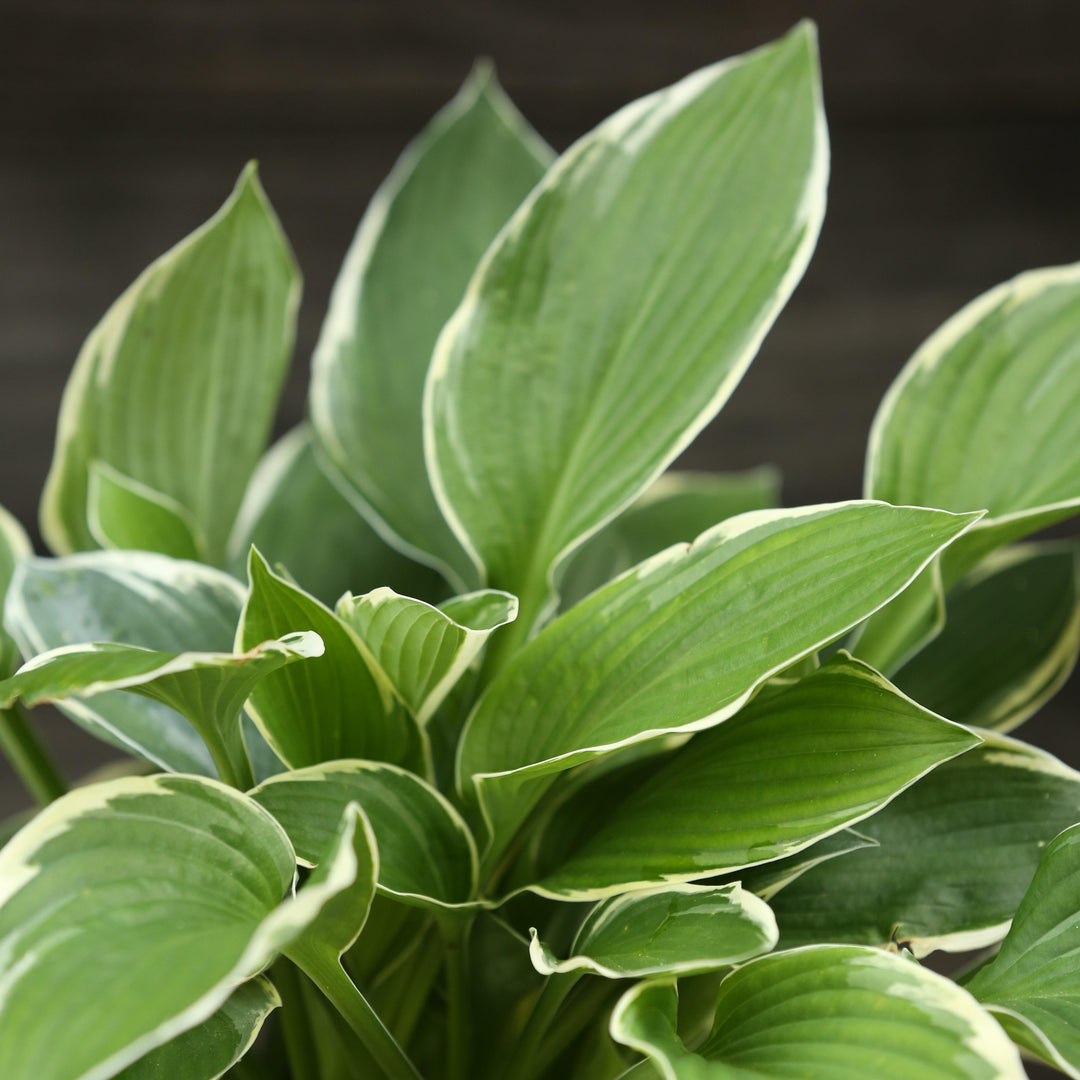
(426, 852)
(137, 599)
(822, 1013)
(677, 507)
(617, 311)
(130, 911)
(176, 388)
(954, 856)
(983, 415)
(124, 514)
(298, 519)
(681, 642)
(14, 545)
(671, 930)
(1032, 986)
(338, 706)
(1010, 642)
(406, 271)
(424, 649)
(208, 688)
(790, 768)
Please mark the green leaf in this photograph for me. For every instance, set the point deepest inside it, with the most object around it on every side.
(208, 688)
(982, 416)
(767, 879)
(423, 649)
(209, 1050)
(138, 599)
(14, 546)
(422, 236)
(298, 519)
(955, 854)
(129, 913)
(672, 930)
(427, 854)
(126, 515)
(676, 508)
(790, 768)
(1010, 642)
(615, 314)
(339, 706)
(682, 641)
(177, 386)
(823, 1013)
(1032, 985)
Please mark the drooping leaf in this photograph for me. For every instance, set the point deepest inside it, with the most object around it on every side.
(177, 386)
(822, 1013)
(427, 854)
(1033, 985)
(983, 415)
(340, 705)
(767, 879)
(424, 649)
(298, 519)
(209, 1050)
(789, 769)
(208, 688)
(681, 642)
(1010, 642)
(129, 913)
(14, 545)
(955, 854)
(677, 507)
(617, 311)
(671, 930)
(127, 515)
(137, 599)
(417, 246)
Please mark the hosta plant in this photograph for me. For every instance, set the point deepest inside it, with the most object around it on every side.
(466, 740)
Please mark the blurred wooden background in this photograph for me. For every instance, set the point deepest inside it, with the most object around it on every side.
(123, 124)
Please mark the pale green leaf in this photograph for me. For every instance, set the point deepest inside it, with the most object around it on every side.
(129, 913)
(1010, 642)
(677, 507)
(955, 854)
(828, 1012)
(790, 768)
(177, 386)
(426, 852)
(619, 308)
(682, 641)
(127, 515)
(671, 930)
(298, 519)
(14, 545)
(208, 688)
(984, 415)
(416, 248)
(209, 1050)
(423, 649)
(1033, 984)
(137, 599)
(339, 706)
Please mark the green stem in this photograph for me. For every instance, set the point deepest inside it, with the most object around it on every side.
(586, 1006)
(226, 746)
(28, 757)
(456, 929)
(329, 976)
(300, 1046)
(523, 1059)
